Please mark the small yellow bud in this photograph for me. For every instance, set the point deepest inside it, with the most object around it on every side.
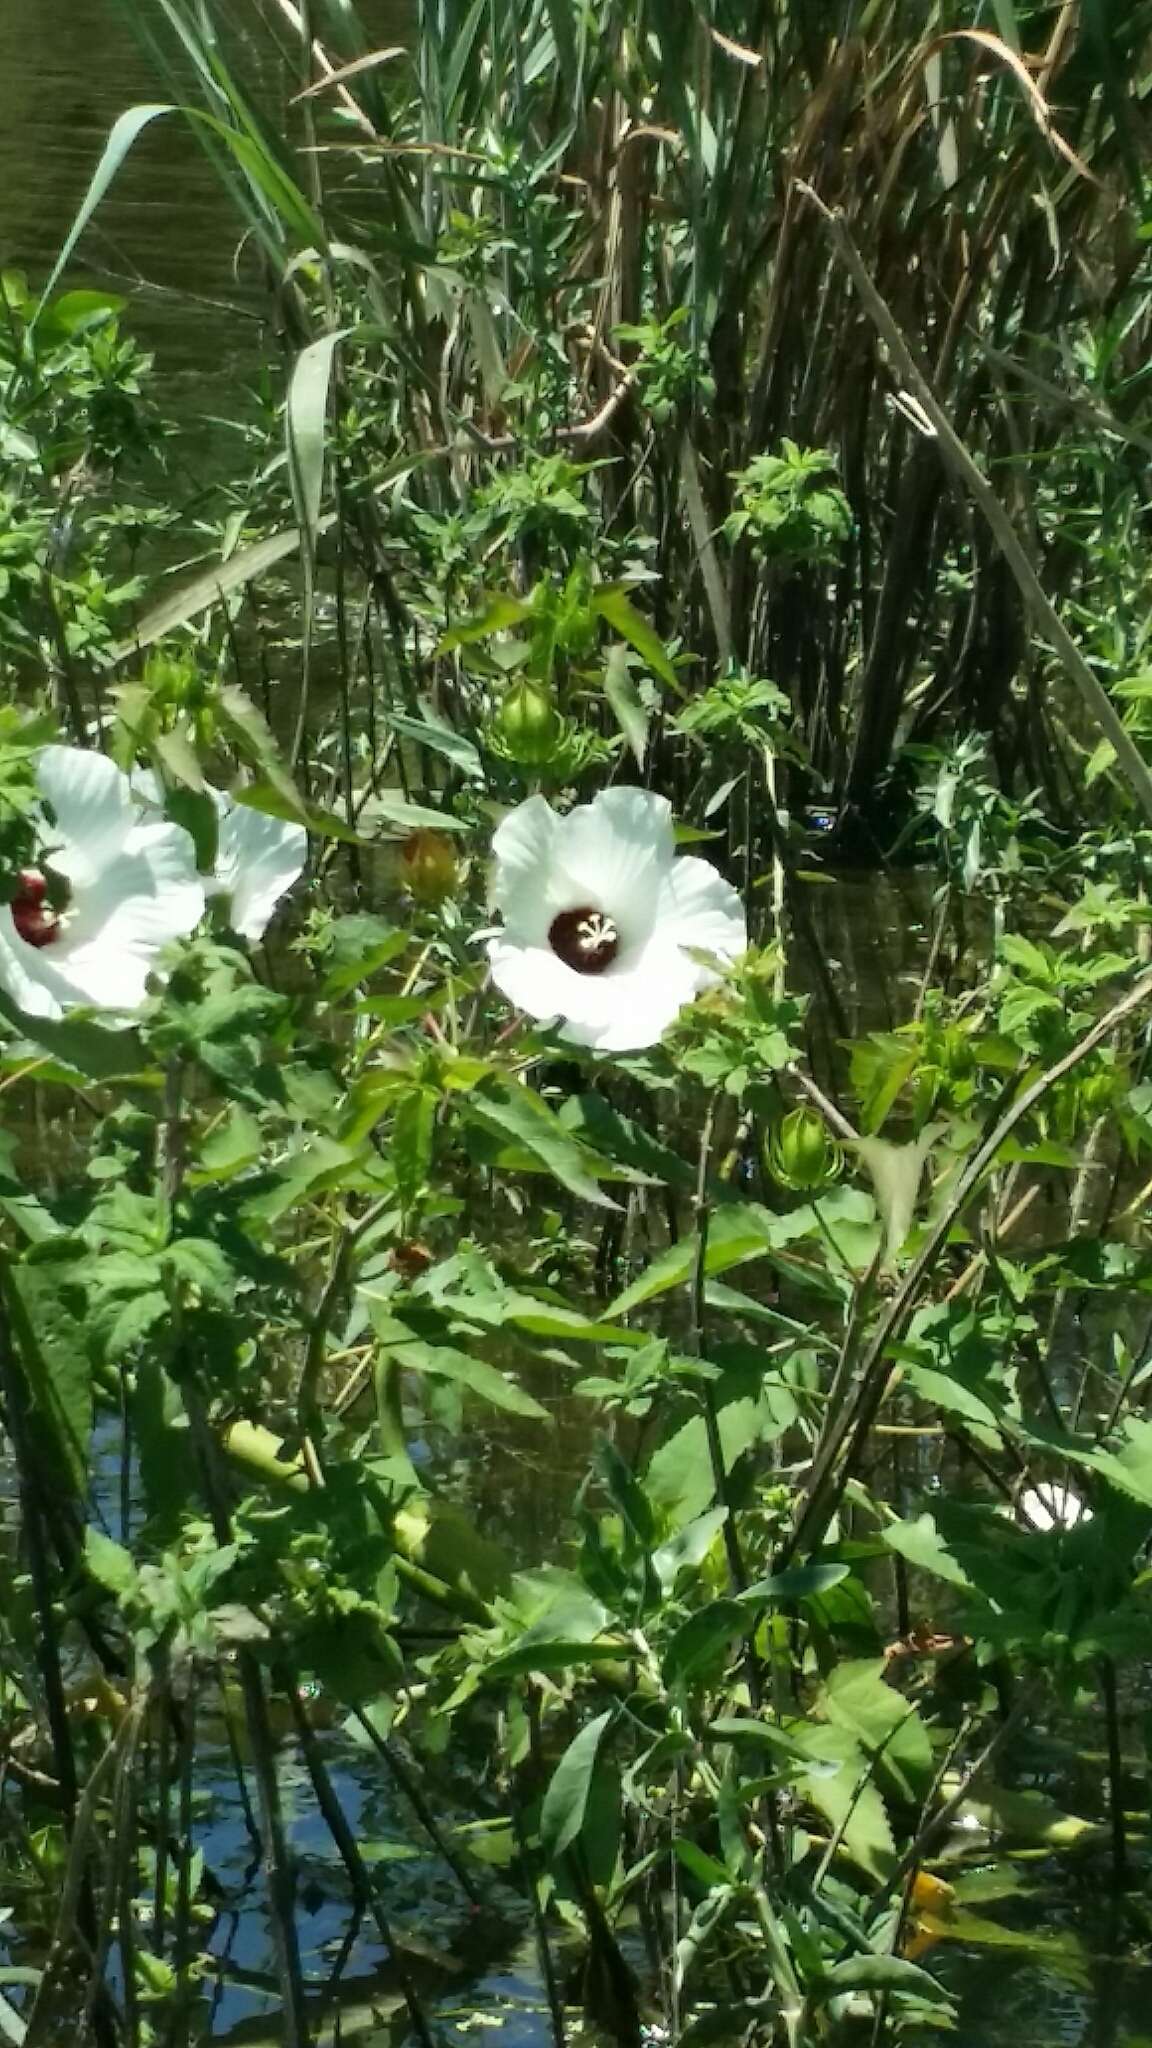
(428, 865)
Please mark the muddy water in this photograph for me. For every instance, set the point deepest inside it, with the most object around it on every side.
(164, 231)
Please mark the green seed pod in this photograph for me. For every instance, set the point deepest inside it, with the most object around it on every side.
(529, 725)
(800, 1152)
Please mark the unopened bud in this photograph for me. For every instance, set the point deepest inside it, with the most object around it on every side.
(801, 1154)
(530, 726)
(428, 864)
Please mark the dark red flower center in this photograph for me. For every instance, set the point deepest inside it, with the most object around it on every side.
(585, 939)
(32, 914)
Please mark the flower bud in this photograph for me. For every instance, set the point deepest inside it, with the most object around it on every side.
(529, 725)
(801, 1154)
(428, 865)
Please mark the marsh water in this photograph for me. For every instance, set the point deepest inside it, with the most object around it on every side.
(1045, 1955)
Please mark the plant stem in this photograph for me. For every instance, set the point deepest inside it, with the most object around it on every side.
(737, 1571)
(1095, 698)
(1121, 1869)
(851, 1436)
(363, 1883)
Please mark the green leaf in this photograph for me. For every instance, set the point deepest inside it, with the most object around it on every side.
(1128, 1468)
(34, 1222)
(395, 811)
(624, 698)
(856, 1697)
(704, 1868)
(881, 1973)
(743, 1729)
(411, 1149)
(679, 1476)
(306, 422)
(797, 1582)
(922, 1545)
(358, 947)
(253, 739)
(847, 1797)
(274, 800)
(612, 603)
(50, 1341)
(233, 1145)
(701, 1642)
(520, 1114)
(431, 731)
(120, 140)
(687, 1549)
(446, 1362)
(179, 760)
(737, 1231)
(563, 1631)
(110, 1564)
(77, 312)
(597, 1122)
(499, 613)
(951, 1394)
(549, 1319)
(175, 609)
(896, 1172)
(393, 1011)
(87, 1048)
(565, 1804)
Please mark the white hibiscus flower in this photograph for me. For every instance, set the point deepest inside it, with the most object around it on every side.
(110, 888)
(1049, 1506)
(598, 913)
(258, 858)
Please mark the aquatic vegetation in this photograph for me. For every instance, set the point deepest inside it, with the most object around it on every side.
(572, 1384)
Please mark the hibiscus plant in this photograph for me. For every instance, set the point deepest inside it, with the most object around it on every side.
(493, 1161)
(574, 1030)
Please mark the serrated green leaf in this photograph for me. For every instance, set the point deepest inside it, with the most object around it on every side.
(411, 1148)
(612, 603)
(110, 1564)
(519, 1113)
(254, 741)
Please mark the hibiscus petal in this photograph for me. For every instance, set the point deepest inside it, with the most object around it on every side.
(699, 908)
(93, 807)
(148, 894)
(523, 884)
(613, 854)
(1050, 1506)
(27, 975)
(533, 978)
(640, 999)
(258, 859)
(622, 1010)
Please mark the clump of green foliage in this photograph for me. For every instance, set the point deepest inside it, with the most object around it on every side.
(824, 1332)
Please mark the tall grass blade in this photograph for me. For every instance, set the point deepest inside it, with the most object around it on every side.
(120, 140)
